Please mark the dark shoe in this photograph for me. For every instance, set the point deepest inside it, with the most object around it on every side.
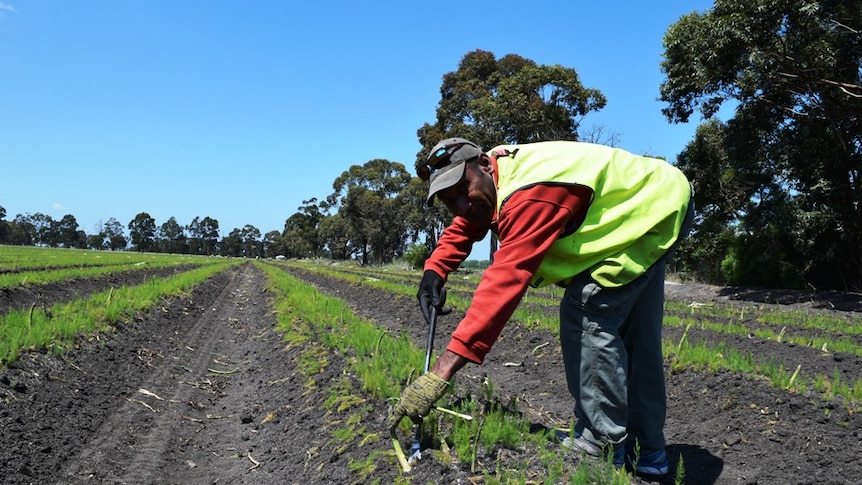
(654, 463)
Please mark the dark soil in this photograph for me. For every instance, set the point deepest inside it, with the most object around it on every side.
(203, 390)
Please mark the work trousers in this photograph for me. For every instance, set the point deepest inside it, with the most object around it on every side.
(612, 352)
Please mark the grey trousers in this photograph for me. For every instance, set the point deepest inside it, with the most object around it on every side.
(612, 352)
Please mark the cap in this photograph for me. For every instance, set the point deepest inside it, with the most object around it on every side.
(447, 161)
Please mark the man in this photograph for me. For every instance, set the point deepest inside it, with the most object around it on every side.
(599, 221)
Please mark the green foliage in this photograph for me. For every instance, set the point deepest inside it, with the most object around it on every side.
(788, 162)
(416, 255)
(302, 237)
(142, 230)
(474, 264)
(507, 100)
(370, 202)
(760, 262)
(59, 325)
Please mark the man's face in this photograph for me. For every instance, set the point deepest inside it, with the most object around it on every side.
(475, 196)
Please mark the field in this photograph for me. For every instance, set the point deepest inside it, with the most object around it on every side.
(207, 387)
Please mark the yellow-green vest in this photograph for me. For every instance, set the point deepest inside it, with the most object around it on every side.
(635, 214)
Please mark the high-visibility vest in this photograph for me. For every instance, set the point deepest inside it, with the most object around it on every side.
(637, 208)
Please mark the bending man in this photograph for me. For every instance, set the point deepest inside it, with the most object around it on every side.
(597, 220)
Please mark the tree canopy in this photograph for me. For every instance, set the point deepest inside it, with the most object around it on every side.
(783, 171)
(508, 100)
(775, 163)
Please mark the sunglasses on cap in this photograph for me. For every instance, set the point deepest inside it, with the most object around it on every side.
(441, 158)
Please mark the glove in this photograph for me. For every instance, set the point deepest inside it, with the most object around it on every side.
(417, 399)
(432, 294)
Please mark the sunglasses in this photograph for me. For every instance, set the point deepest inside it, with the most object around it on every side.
(441, 158)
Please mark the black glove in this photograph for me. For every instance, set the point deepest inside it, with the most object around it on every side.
(432, 294)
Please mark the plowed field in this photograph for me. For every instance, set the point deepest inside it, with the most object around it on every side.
(204, 390)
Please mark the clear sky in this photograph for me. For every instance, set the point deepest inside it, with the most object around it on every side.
(242, 110)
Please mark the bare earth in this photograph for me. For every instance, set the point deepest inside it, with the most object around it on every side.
(203, 390)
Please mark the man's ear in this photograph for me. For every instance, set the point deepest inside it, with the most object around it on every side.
(485, 164)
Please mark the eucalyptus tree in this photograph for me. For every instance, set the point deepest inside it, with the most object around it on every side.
(334, 231)
(251, 244)
(784, 170)
(65, 232)
(22, 232)
(504, 101)
(231, 245)
(42, 225)
(368, 197)
(273, 244)
(4, 227)
(172, 237)
(301, 230)
(142, 231)
(203, 236)
(114, 235)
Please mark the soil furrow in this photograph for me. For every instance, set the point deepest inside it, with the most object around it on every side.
(120, 455)
(81, 418)
(48, 294)
(725, 428)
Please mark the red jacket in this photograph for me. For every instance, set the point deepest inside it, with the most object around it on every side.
(528, 225)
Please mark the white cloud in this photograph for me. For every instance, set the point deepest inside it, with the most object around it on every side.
(58, 206)
(5, 7)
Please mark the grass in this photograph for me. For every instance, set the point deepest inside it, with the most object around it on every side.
(58, 326)
(768, 322)
(383, 363)
(27, 258)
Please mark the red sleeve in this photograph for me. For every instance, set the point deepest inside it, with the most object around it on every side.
(454, 246)
(529, 224)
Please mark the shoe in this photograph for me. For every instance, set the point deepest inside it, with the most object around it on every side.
(580, 444)
(654, 463)
(620, 457)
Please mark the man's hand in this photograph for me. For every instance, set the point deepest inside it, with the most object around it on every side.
(431, 295)
(417, 399)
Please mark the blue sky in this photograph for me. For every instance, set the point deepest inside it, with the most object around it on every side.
(240, 111)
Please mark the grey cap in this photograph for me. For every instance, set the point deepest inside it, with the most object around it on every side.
(447, 161)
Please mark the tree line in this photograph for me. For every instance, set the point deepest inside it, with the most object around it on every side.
(200, 236)
(777, 184)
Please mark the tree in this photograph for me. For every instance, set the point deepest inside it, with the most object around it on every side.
(335, 235)
(503, 101)
(510, 100)
(369, 199)
(65, 232)
(203, 236)
(793, 149)
(251, 245)
(142, 230)
(172, 237)
(300, 235)
(4, 227)
(22, 231)
(114, 236)
(42, 225)
(231, 245)
(273, 244)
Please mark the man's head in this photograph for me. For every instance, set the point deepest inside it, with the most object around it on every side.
(445, 164)
(462, 177)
